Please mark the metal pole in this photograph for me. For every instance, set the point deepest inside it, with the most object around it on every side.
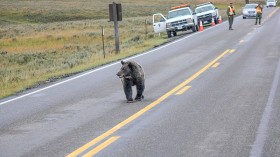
(116, 28)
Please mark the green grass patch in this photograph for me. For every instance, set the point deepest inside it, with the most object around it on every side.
(20, 71)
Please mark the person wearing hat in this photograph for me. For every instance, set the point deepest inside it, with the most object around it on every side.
(230, 13)
(259, 10)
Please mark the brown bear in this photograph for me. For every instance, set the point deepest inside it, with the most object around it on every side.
(132, 74)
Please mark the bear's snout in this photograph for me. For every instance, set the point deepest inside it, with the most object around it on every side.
(119, 75)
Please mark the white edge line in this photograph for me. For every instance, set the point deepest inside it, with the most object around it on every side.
(258, 146)
(262, 132)
(106, 66)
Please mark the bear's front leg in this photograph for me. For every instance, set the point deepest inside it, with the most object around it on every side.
(127, 87)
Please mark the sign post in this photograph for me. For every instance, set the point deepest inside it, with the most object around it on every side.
(115, 12)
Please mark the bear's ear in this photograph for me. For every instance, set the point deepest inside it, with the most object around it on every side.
(122, 62)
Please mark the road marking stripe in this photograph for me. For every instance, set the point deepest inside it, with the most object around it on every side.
(241, 41)
(125, 122)
(216, 65)
(274, 11)
(101, 146)
(183, 90)
(262, 133)
(145, 109)
(232, 51)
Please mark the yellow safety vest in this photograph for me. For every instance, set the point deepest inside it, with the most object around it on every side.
(231, 10)
(259, 10)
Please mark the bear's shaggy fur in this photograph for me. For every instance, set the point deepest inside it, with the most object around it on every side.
(132, 74)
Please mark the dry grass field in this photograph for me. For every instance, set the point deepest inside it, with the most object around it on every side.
(44, 40)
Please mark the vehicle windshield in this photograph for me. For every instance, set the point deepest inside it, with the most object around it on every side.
(203, 9)
(251, 6)
(271, 0)
(177, 13)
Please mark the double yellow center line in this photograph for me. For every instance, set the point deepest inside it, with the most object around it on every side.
(274, 11)
(181, 86)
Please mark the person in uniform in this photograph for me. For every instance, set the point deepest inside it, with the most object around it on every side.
(230, 13)
(259, 10)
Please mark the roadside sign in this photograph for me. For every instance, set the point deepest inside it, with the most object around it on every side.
(119, 12)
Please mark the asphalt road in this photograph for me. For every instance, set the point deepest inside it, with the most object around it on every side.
(210, 94)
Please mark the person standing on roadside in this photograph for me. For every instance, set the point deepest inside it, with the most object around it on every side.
(230, 13)
(259, 10)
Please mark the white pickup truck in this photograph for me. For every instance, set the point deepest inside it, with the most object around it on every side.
(206, 11)
(179, 18)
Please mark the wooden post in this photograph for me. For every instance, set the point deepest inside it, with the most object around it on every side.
(116, 26)
(103, 41)
(146, 30)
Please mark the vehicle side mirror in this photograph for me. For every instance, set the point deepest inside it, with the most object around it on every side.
(216, 7)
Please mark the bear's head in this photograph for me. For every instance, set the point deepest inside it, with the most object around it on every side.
(125, 71)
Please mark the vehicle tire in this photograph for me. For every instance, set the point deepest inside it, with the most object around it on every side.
(193, 29)
(197, 27)
(244, 17)
(169, 34)
(216, 20)
(174, 33)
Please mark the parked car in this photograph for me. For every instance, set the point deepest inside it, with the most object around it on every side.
(271, 3)
(249, 10)
(206, 11)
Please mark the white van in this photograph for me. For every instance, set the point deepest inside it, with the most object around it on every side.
(271, 3)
